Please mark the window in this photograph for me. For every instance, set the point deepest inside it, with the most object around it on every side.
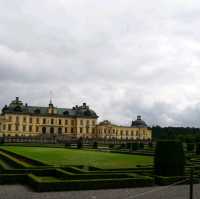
(24, 128)
(93, 130)
(30, 128)
(17, 119)
(52, 121)
(81, 130)
(65, 130)
(17, 127)
(131, 133)
(66, 122)
(37, 129)
(44, 121)
(93, 122)
(72, 130)
(72, 122)
(88, 122)
(9, 127)
(43, 130)
(60, 121)
(4, 127)
(10, 118)
(37, 121)
(81, 122)
(51, 130)
(126, 133)
(30, 120)
(24, 119)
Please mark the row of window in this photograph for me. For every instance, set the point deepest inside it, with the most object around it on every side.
(52, 121)
(44, 129)
(122, 132)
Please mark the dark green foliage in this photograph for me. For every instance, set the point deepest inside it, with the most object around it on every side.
(169, 158)
(56, 185)
(150, 144)
(141, 145)
(163, 180)
(95, 145)
(67, 145)
(198, 148)
(111, 146)
(122, 146)
(190, 147)
(134, 146)
(128, 145)
(79, 143)
(184, 134)
(1, 140)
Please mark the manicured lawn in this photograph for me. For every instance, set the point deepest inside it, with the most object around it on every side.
(62, 156)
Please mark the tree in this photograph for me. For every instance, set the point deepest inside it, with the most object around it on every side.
(169, 158)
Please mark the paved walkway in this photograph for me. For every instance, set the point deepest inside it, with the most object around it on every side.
(175, 192)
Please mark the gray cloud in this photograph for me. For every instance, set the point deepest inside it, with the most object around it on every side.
(122, 57)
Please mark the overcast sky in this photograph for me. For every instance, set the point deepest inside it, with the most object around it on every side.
(122, 57)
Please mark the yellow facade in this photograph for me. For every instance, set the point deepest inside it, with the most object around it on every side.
(18, 119)
(28, 125)
(106, 130)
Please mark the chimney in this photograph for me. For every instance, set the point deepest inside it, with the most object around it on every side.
(139, 117)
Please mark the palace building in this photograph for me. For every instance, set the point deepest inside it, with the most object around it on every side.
(19, 119)
(138, 130)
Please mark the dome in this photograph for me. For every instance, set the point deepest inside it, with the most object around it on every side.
(139, 122)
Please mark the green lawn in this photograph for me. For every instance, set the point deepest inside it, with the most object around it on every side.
(62, 156)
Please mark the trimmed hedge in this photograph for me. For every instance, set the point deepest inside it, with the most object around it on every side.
(163, 180)
(13, 178)
(41, 185)
(169, 158)
(23, 158)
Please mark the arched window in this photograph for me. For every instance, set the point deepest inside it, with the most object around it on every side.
(51, 130)
(43, 130)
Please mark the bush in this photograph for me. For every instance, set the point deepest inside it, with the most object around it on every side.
(141, 145)
(163, 180)
(95, 145)
(134, 146)
(67, 145)
(169, 158)
(198, 148)
(150, 144)
(122, 146)
(190, 147)
(111, 146)
(79, 143)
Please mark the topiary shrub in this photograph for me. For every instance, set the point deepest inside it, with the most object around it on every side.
(198, 148)
(111, 146)
(190, 147)
(122, 146)
(169, 158)
(79, 143)
(141, 145)
(95, 145)
(134, 146)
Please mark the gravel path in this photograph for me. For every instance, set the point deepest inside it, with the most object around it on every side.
(175, 192)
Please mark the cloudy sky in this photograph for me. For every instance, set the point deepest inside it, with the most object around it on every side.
(122, 57)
